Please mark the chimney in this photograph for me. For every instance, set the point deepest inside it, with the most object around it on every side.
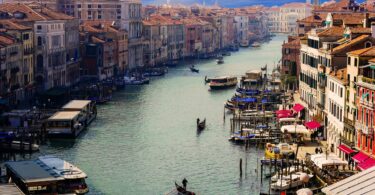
(335, 70)
(366, 22)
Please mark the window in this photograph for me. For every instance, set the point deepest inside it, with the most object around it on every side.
(89, 6)
(39, 27)
(99, 6)
(25, 37)
(39, 41)
(349, 60)
(79, 5)
(355, 61)
(56, 41)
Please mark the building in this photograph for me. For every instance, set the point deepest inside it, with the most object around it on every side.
(306, 24)
(335, 107)
(25, 74)
(241, 24)
(109, 43)
(290, 62)
(52, 31)
(283, 19)
(10, 68)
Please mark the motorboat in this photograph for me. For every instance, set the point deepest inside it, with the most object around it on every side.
(220, 61)
(136, 81)
(255, 44)
(227, 53)
(278, 151)
(290, 181)
(223, 82)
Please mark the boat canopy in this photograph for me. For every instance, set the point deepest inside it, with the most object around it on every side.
(62, 167)
(322, 160)
(64, 116)
(76, 104)
(298, 129)
(245, 100)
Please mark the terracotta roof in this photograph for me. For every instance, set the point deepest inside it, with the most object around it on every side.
(340, 74)
(372, 60)
(97, 26)
(96, 40)
(360, 30)
(6, 40)
(351, 43)
(366, 52)
(316, 18)
(161, 20)
(32, 12)
(331, 32)
(10, 25)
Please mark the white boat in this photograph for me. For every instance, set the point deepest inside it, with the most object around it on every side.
(65, 124)
(289, 181)
(223, 82)
(255, 44)
(136, 81)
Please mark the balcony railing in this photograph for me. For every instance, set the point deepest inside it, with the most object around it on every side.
(366, 103)
(349, 122)
(347, 142)
(368, 80)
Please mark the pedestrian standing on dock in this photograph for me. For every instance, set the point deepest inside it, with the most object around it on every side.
(184, 183)
(316, 150)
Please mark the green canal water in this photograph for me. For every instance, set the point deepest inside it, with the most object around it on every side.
(146, 138)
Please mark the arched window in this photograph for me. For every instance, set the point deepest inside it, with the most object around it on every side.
(39, 62)
(368, 44)
(40, 41)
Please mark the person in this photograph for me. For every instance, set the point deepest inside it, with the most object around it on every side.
(184, 183)
(198, 121)
(320, 150)
(316, 150)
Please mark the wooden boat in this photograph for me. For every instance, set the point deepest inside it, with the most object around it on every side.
(201, 125)
(193, 69)
(136, 81)
(182, 191)
(223, 82)
(278, 151)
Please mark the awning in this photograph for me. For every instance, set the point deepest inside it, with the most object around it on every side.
(283, 111)
(284, 115)
(345, 149)
(370, 162)
(298, 107)
(312, 125)
(360, 157)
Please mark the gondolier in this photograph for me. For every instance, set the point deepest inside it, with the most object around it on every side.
(184, 183)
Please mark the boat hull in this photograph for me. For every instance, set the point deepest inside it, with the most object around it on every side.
(218, 87)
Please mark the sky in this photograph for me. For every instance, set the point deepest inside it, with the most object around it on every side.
(230, 3)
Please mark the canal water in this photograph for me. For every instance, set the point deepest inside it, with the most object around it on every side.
(146, 139)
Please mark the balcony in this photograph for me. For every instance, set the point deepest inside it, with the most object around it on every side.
(364, 129)
(349, 122)
(347, 142)
(364, 102)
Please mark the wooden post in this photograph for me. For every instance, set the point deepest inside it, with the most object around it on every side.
(241, 167)
(261, 173)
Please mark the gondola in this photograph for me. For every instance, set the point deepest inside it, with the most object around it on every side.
(193, 69)
(201, 124)
(182, 191)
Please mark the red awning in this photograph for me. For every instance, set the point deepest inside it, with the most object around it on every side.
(370, 162)
(285, 115)
(283, 111)
(360, 157)
(345, 149)
(312, 125)
(298, 107)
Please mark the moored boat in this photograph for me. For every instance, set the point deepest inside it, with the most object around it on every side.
(244, 43)
(290, 181)
(136, 81)
(223, 82)
(19, 146)
(255, 44)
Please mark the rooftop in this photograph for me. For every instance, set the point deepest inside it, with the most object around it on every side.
(76, 104)
(64, 115)
(349, 44)
(366, 52)
(333, 31)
